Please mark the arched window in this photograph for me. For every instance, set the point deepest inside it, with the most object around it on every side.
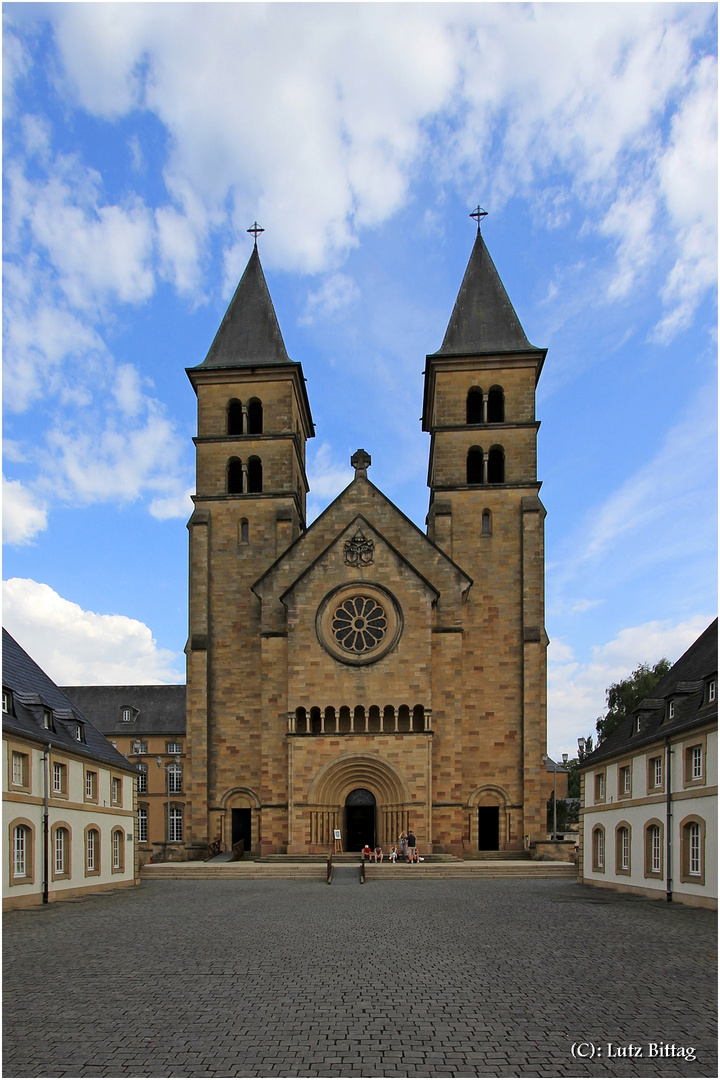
(244, 531)
(598, 849)
(622, 848)
(255, 477)
(474, 469)
(692, 850)
(234, 477)
(496, 465)
(315, 721)
(118, 850)
(654, 849)
(255, 417)
(301, 724)
(234, 417)
(92, 851)
(486, 529)
(474, 406)
(418, 718)
(496, 405)
(22, 860)
(61, 852)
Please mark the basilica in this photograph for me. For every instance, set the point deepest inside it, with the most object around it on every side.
(358, 677)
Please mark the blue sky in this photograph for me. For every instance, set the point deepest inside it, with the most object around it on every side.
(141, 141)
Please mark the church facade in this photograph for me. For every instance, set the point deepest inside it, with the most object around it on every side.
(359, 675)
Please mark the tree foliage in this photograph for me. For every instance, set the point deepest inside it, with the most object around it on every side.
(623, 696)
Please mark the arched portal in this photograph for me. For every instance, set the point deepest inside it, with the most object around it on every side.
(359, 819)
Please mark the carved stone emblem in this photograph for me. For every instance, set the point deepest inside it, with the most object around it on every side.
(359, 551)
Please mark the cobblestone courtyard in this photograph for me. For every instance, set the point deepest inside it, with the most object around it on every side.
(393, 978)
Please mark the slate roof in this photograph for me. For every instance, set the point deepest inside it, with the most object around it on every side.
(483, 319)
(32, 691)
(684, 684)
(159, 710)
(249, 335)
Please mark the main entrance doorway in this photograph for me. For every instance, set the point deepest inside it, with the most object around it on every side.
(359, 819)
(242, 827)
(488, 828)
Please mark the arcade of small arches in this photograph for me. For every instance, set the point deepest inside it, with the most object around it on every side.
(483, 408)
(244, 419)
(360, 720)
(485, 468)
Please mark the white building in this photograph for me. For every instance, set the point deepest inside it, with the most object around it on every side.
(68, 795)
(649, 792)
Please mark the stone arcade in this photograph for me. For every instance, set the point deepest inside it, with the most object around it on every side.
(359, 674)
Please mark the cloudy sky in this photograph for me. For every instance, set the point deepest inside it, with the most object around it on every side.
(141, 141)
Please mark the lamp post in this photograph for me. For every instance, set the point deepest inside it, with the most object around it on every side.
(547, 759)
(159, 763)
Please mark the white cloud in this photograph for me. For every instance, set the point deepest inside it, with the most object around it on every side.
(327, 478)
(576, 690)
(23, 515)
(337, 292)
(75, 647)
(173, 506)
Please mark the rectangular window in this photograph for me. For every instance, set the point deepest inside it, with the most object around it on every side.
(90, 785)
(712, 690)
(694, 853)
(142, 781)
(599, 787)
(19, 770)
(7, 701)
(19, 851)
(127, 716)
(697, 763)
(176, 826)
(139, 747)
(59, 778)
(174, 748)
(116, 790)
(174, 779)
(142, 825)
(625, 780)
(47, 719)
(657, 772)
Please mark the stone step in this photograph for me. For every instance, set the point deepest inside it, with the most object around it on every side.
(246, 871)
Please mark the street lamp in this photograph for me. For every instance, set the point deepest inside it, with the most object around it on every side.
(159, 763)
(547, 760)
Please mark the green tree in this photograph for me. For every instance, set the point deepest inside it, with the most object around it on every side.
(622, 697)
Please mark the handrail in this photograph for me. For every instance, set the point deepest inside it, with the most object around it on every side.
(329, 869)
(362, 871)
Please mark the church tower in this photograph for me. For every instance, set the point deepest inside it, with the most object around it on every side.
(253, 422)
(485, 513)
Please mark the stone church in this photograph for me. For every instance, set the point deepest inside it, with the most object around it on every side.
(358, 674)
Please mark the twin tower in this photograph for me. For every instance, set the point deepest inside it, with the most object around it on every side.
(360, 677)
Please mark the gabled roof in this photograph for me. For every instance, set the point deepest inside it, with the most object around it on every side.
(684, 684)
(157, 710)
(362, 498)
(249, 335)
(33, 691)
(483, 319)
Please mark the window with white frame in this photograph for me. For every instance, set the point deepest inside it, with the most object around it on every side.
(625, 780)
(19, 769)
(657, 772)
(599, 786)
(61, 851)
(92, 843)
(671, 710)
(127, 715)
(694, 865)
(598, 848)
(712, 690)
(7, 701)
(139, 747)
(176, 825)
(697, 763)
(655, 850)
(174, 779)
(117, 839)
(59, 778)
(90, 785)
(174, 748)
(623, 849)
(142, 825)
(142, 779)
(47, 719)
(116, 789)
(80, 732)
(20, 847)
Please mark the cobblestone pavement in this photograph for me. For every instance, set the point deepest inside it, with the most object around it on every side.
(393, 978)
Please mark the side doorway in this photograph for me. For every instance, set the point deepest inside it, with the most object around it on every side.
(488, 828)
(242, 827)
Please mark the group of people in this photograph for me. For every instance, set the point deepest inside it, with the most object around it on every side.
(406, 850)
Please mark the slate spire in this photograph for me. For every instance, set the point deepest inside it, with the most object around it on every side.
(249, 335)
(483, 319)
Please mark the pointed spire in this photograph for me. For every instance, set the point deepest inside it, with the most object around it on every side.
(483, 319)
(249, 335)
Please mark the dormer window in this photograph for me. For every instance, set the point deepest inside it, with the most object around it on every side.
(671, 710)
(47, 719)
(711, 691)
(7, 701)
(638, 724)
(127, 714)
(80, 732)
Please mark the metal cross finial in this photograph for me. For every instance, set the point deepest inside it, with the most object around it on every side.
(256, 230)
(478, 213)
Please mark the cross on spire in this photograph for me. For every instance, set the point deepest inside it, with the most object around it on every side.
(256, 230)
(478, 213)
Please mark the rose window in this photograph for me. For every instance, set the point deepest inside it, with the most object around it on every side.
(359, 624)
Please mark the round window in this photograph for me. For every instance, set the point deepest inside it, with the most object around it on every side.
(359, 623)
